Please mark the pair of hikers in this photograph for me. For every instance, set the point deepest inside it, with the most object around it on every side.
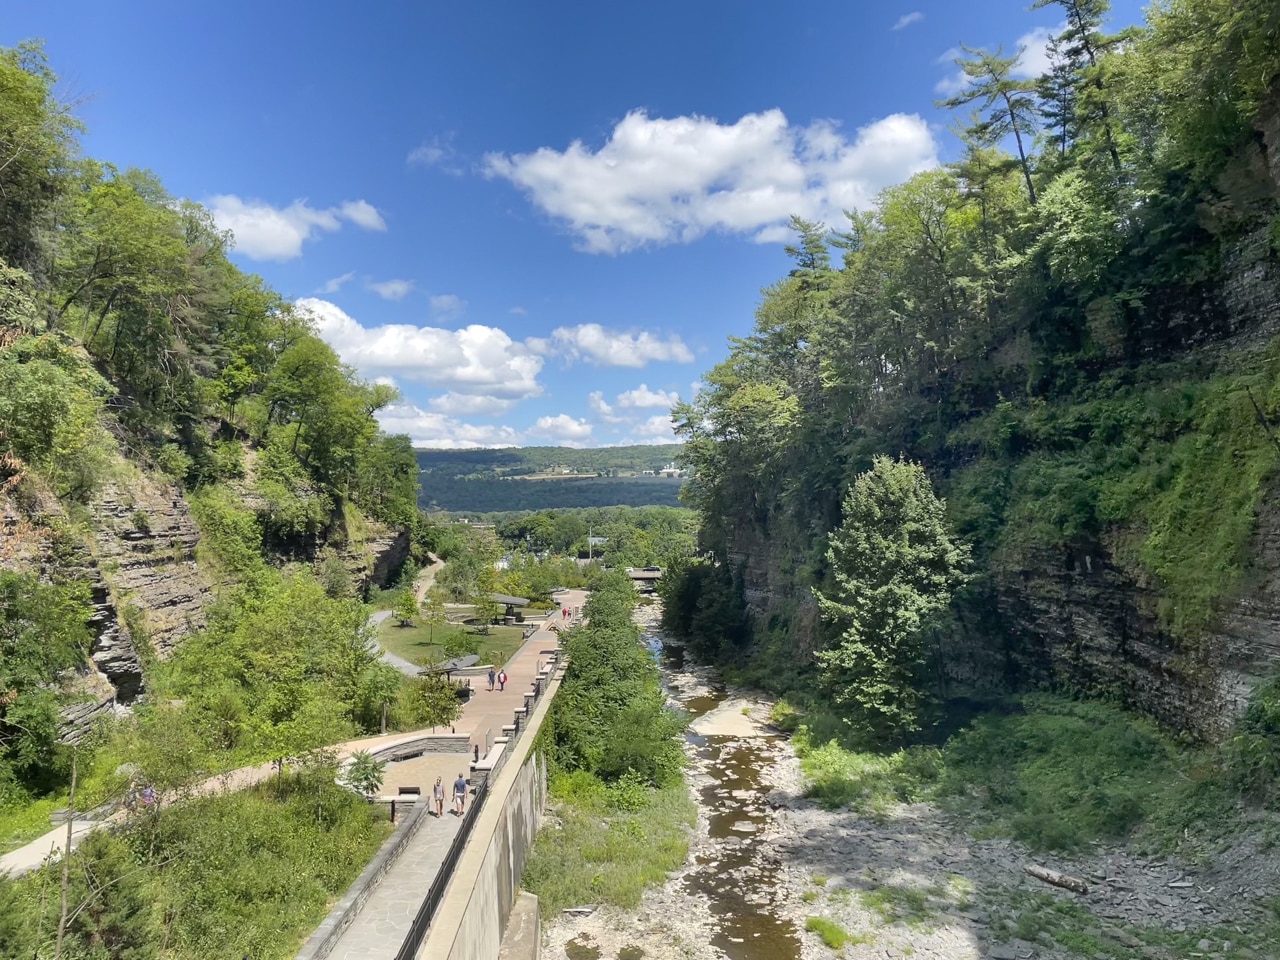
(459, 796)
(499, 677)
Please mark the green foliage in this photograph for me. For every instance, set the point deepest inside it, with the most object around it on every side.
(609, 717)
(428, 701)
(1063, 774)
(1254, 752)
(365, 773)
(895, 566)
(241, 874)
(608, 847)
(51, 408)
(229, 533)
(832, 934)
(870, 783)
(42, 635)
(278, 671)
(405, 608)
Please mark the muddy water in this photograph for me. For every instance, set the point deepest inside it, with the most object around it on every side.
(732, 876)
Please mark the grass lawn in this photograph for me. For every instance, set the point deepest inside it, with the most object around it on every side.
(423, 644)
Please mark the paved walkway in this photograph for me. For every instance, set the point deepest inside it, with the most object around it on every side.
(383, 923)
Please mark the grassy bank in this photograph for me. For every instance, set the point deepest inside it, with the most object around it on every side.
(605, 844)
(1053, 773)
(423, 643)
(248, 874)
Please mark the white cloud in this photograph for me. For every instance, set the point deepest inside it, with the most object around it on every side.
(518, 311)
(907, 19)
(437, 152)
(476, 359)
(564, 428)
(462, 404)
(442, 431)
(660, 181)
(602, 409)
(264, 232)
(425, 156)
(612, 348)
(1034, 50)
(656, 429)
(392, 289)
(334, 285)
(363, 214)
(642, 396)
(447, 304)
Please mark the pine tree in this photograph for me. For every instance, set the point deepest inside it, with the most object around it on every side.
(1010, 103)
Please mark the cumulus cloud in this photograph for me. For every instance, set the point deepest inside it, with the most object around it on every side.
(907, 19)
(658, 181)
(392, 289)
(612, 348)
(642, 396)
(474, 360)
(568, 430)
(427, 429)
(334, 285)
(363, 214)
(462, 404)
(264, 232)
(656, 429)
(1033, 49)
(602, 409)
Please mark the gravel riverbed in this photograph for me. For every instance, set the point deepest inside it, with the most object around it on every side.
(910, 882)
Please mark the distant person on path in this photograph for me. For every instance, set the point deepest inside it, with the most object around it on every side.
(460, 795)
(437, 792)
(502, 680)
(492, 677)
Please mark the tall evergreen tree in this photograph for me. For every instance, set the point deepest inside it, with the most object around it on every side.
(1009, 103)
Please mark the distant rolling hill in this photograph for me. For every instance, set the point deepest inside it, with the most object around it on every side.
(541, 478)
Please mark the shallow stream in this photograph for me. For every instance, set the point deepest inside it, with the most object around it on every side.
(732, 875)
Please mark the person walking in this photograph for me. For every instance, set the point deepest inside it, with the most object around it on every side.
(492, 677)
(502, 680)
(460, 795)
(437, 792)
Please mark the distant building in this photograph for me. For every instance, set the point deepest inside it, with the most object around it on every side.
(670, 470)
(597, 541)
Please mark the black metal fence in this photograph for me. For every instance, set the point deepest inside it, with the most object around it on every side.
(435, 893)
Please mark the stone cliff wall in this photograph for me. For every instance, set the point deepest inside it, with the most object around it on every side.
(146, 544)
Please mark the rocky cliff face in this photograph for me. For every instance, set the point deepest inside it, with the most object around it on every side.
(146, 543)
(1075, 616)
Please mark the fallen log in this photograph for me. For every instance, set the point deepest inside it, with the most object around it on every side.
(1066, 881)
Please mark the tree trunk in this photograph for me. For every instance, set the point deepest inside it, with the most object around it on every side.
(66, 858)
(1055, 878)
(1022, 154)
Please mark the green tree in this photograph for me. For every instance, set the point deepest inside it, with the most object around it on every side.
(42, 634)
(895, 566)
(405, 608)
(365, 773)
(487, 610)
(433, 611)
(1009, 102)
(427, 701)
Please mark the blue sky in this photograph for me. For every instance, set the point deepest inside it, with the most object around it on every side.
(541, 221)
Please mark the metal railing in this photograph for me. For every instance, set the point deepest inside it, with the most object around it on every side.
(435, 893)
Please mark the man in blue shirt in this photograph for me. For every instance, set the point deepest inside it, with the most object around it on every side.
(460, 795)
